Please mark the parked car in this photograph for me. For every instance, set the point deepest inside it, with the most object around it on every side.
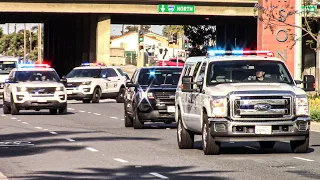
(171, 62)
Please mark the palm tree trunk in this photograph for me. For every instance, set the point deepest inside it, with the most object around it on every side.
(30, 39)
(39, 43)
(24, 43)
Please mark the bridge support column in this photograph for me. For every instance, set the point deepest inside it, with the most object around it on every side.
(103, 39)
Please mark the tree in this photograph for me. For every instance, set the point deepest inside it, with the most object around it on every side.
(200, 37)
(1, 32)
(169, 30)
(134, 28)
(275, 15)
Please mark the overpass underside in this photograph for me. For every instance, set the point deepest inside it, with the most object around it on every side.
(72, 38)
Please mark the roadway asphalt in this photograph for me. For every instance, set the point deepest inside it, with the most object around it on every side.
(91, 142)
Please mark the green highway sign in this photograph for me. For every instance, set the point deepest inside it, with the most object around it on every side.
(176, 8)
(309, 8)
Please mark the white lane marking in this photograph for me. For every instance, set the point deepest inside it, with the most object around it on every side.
(18, 120)
(159, 175)
(70, 109)
(89, 112)
(91, 149)
(71, 140)
(3, 115)
(122, 119)
(38, 127)
(97, 114)
(120, 160)
(81, 111)
(25, 123)
(3, 177)
(13, 118)
(315, 131)
(310, 160)
(113, 117)
(46, 129)
(52, 132)
(250, 147)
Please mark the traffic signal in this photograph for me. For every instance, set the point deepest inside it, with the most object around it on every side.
(141, 36)
(175, 38)
(186, 44)
(140, 47)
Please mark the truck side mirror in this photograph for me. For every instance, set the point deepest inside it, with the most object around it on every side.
(308, 83)
(130, 84)
(187, 84)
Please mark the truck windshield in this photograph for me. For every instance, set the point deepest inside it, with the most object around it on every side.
(159, 77)
(7, 66)
(91, 73)
(24, 76)
(242, 71)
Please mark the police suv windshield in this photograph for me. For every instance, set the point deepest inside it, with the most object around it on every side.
(30, 76)
(7, 66)
(242, 71)
(159, 77)
(75, 73)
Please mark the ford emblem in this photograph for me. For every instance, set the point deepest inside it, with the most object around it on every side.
(262, 107)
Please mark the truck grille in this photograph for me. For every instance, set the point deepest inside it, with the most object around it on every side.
(261, 107)
(73, 84)
(41, 90)
(165, 95)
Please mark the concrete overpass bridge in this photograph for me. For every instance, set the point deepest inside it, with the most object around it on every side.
(79, 30)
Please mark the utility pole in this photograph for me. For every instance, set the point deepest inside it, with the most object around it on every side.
(39, 43)
(24, 43)
(8, 28)
(30, 39)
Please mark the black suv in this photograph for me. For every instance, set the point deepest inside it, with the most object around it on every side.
(150, 96)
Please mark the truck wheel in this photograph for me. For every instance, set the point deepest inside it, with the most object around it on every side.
(6, 109)
(120, 97)
(301, 146)
(185, 138)
(86, 100)
(53, 111)
(267, 144)
(14, 110)
(96, 95)
(210, 146)
(136, 122)
(127, 120)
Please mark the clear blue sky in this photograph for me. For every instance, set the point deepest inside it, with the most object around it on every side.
(115, 28)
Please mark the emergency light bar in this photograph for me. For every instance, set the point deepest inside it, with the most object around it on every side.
(93, 64)
(211, 53)
(33, 66)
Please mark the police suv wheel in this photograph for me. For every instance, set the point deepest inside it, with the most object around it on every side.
(5, 108)
(53, 111)
(96, 95)
(14, 110)
(86, 100)
(136, 122)
(127, 120)
(63, 110)
(210, 146)
(185, 138)
(120, 97)
(301, 146)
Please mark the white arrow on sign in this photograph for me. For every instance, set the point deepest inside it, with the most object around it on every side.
(162, 8)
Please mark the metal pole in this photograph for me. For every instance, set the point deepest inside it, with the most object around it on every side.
(39, 43)
(24, 43)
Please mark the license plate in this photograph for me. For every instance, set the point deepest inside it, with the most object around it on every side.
(41, 99)
(69, 92)
(263, 130)
(171, 109)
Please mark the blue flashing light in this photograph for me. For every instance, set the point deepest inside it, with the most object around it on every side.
(212, 53)
(21, 66)
(152, 73)
(92, 64)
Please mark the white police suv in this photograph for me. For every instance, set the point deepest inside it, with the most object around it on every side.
(95, 81)
(6, 65)
(34, 86)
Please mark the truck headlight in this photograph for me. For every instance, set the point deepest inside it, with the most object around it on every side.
(146, 95)
(302, 106)
(219, 107)
(22, 89)
(86, 83)
(59, 88)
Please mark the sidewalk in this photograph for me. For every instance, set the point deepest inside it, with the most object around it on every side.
(315, 126)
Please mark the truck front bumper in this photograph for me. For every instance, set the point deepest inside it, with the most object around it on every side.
(224, 130)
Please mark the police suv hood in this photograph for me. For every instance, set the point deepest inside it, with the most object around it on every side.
(226, 88)
(39, 84)
(80, 79)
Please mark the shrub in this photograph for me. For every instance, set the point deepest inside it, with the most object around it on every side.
(315, 114)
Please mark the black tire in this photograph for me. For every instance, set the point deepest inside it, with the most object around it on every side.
(127, 120)
(6, 109)
(14, 110)
(267, 144)
(63, 110)
(136, 122)
(120, 97)
(96, 95)
(301, 146)
(185, 138)
(86, 101)
(210, 146)
(53, 111)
